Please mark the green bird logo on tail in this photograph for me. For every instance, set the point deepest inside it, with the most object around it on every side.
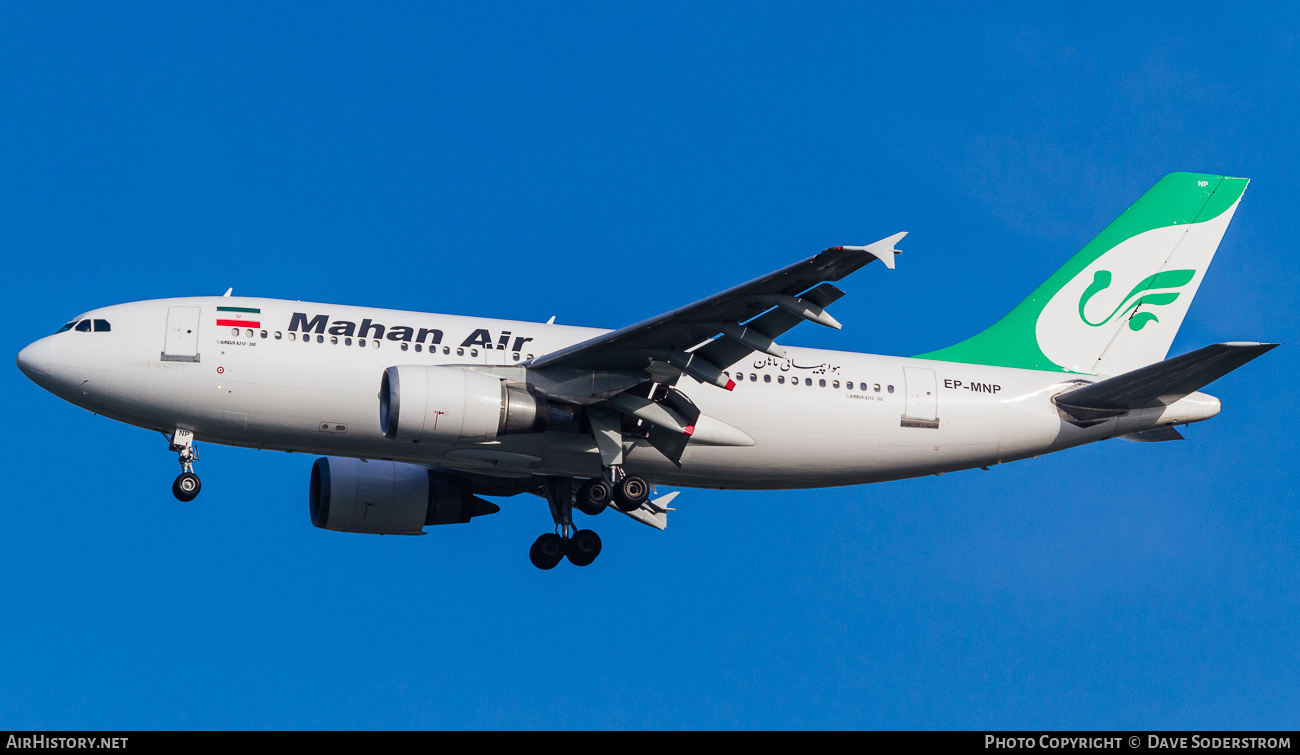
(1140, 295)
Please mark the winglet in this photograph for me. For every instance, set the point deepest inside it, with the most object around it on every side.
(882, 250)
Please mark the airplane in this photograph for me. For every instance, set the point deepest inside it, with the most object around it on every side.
(414, 416)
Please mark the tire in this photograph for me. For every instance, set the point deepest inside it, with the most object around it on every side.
(583, 548)
(630, 493)
(186, 487)
(594, 496)
(547, 551)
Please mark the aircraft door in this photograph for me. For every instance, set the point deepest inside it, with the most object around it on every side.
(922, 398)
(182, 340)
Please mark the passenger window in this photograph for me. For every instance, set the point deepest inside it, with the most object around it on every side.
(83, 326)
(102, 326)
(404, 346)
(780, 378)
(753, 378)
(361, 342)
(419, 347)
(460, 352)
(473, 352)
(822, 383)
(445, 349)
(891, 389)
(234, 331)
(320, 339)
(767, 378)
(346, 342)
(334, 340)
(835, 384)
(293, 336)
(807, 381)
(248, 333)
(264, 334)
(278, 335)
(516, 356)
(375, 343)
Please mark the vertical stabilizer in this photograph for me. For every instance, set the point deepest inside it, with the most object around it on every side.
(1118, 303)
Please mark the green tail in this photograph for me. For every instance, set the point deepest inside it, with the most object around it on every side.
(1076, 321)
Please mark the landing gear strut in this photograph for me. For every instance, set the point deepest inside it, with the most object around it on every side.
(187, 485)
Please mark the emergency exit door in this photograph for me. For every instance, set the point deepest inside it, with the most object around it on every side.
(182, 341)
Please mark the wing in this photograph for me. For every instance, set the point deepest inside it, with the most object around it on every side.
(748, 317)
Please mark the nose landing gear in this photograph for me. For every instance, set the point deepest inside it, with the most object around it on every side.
(187, 485)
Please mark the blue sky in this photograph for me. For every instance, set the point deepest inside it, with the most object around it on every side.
(602, 164)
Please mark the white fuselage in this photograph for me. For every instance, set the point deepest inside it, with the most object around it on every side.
(817, 418)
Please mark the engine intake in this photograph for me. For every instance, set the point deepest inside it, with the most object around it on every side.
(387, 497)
(451, 405)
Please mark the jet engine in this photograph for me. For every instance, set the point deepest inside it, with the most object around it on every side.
(387, 497)
(451, 405)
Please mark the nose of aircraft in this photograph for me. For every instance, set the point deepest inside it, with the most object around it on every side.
(33, 361)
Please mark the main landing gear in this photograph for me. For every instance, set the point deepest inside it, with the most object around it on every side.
(626, 495)
(581, 547)
(187, 485)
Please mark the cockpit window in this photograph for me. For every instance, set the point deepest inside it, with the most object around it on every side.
(67, 327)
(102, 326)
(83, 326)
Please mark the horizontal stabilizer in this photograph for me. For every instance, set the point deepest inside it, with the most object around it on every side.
(1169, 380)
(1155, 435)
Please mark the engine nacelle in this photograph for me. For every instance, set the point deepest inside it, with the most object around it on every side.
(387, 497)
(451, 405)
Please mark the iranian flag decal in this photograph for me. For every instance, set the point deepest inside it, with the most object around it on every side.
(239, 317)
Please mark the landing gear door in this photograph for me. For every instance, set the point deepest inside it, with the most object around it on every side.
(922, 398)
(182, 341)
